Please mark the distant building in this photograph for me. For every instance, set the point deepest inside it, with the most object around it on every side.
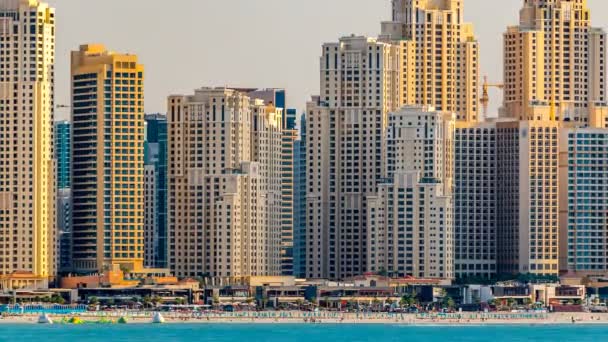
(224, 184)
(299, 203)
(63, 147)
(528, 212)
(411, 218)
(155, 191)
(475, 200)
(108, 160)
(555, 55)
(27, 170)
(439, 56)
(584, 196)
(290, 134)
(64, 229)
(345, 154)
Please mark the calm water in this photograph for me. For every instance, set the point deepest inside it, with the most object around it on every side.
(289, 333)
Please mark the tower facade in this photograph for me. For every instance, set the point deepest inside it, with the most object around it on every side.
(345, 155)
(63, 148)
(583, 201)
(27, 173)
(290, 134)
(299, 202)
(155, 184)
(107, 160)
(475, 200)
(224, 185)
(555, 56)
(410, 219)
(440, 56)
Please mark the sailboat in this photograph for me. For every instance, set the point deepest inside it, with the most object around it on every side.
(45, 319)
(158, 318)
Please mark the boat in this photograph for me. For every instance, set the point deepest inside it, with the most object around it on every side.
(122, 320)
(45, 319)
(158, 318)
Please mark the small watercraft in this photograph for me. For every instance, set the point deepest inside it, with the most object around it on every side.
(158, 318)
(45, 319)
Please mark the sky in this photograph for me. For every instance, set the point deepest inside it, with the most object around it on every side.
(187, 44)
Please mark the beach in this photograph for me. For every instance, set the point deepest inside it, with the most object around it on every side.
(326, 318)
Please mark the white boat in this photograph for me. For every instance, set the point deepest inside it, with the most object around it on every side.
(158, 318)
(45, 319)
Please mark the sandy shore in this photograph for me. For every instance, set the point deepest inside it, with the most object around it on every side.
(335, 318)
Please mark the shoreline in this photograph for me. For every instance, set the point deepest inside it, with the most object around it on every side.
(581, 319)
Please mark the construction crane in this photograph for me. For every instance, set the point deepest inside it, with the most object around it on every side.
(485, 96)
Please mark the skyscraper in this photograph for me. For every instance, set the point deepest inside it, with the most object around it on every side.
(290, 134)
(299, 202)
(155, 181)
(345, 155)
(107, 161)
(63, 142)
(475, 200)
(555, 56)
(583, 196)
(63, 155)
(410, 219)
(439, 56)
(224, 190)
(27, 172)
(528, 184)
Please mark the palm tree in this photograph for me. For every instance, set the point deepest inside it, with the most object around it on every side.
(299, 303)
(407, 300)
(93, 301)
(147, 301)
(450, 302)
(156, 300)
(57, 299)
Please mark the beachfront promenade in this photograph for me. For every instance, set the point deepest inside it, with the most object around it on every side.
(324, 317)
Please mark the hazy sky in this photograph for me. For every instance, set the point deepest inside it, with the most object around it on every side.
(186, 44)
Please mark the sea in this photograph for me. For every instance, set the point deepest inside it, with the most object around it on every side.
(299, 333)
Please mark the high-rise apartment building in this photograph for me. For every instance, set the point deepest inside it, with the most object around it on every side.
(155, 193)
(224, 185)
(290, 134)
(63, 147)
(345, 154)
(107, 160)
(528, 183)
(583, 201)
(439, 56)
(410, 220)
(27, 168)
(63, 155)
(299, 202)
(475, 200)
(555, 56)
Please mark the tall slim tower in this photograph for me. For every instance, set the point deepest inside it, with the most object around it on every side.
(63, 153)
(290, 134)
(555, 55)
(440, 56)
(108, 160)
(63, 146)
(27, 176)
(155, 203)
(299, 202)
